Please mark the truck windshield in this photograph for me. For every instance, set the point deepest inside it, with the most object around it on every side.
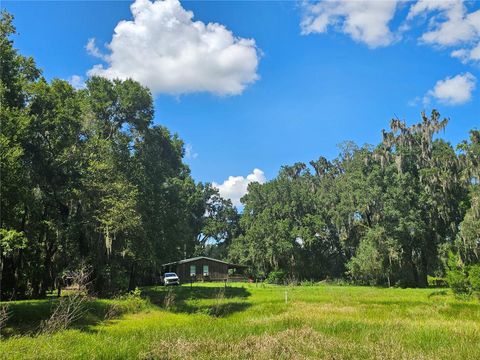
(170, 274)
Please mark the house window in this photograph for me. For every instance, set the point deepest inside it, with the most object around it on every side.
(205, 270)
(193, 270)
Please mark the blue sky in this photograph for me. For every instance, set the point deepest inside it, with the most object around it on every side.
(294, 80)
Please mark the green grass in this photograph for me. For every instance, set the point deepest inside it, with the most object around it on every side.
(249, 322)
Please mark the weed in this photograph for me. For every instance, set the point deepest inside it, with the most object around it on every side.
(4, 316)
(169, 300)
(70, 308)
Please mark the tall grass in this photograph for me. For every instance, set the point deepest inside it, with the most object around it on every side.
(244, 321)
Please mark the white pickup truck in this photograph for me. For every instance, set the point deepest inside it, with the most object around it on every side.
(170, 278)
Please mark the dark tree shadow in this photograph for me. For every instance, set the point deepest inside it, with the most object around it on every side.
(26, 316)
(460, 310)
(183, 299)
(216, 310)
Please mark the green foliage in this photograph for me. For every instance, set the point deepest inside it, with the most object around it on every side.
(11, 240)
(467, 240)
(366, 266)
(220, 227)
(132, 302)
(462, 279)
(276, 277)
(474, 277)
(381, 214)
(88, 178)
(458, 282)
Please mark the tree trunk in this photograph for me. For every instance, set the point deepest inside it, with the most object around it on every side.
(47, 268)
(17, 263)
(413, 269)
(16, 273)
(36, 280)
(422, 281)
(131, 282)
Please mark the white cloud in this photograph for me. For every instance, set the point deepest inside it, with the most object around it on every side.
(450, 24)
(466, 55)
(189, 153)
(164, 49)
(77, 81)
(236, 186)
(364, 20)
(93, 50)
(454, 90)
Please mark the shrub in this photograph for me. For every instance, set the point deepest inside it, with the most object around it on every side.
(366, 267)
(72, 307)
(457, 276)
(458, 282)
(130, 303)
(276, 277)
(474, 277)
(133, 302)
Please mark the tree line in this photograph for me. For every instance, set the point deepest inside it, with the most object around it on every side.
(87, 179)
(390, 214)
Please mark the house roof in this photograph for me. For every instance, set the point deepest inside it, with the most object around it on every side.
(202, 257)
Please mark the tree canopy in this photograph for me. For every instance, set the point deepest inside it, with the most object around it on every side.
(87, 178)
(385, 214)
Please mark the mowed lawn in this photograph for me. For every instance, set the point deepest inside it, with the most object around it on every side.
(245, 321)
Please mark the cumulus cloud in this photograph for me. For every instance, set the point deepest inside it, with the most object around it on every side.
(365, 21)
(454, 90)
(236, 186)
(166, 50)
(450, 24)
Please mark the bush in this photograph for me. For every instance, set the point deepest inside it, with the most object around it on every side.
(366, 267)
(458, 282)
(474, 277)
(463, 280)
(276, 277)
(133, 302)
(456, 275)
(130, 303)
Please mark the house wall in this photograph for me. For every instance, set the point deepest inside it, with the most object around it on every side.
(217, 271)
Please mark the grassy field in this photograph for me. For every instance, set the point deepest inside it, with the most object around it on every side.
(244, 321)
